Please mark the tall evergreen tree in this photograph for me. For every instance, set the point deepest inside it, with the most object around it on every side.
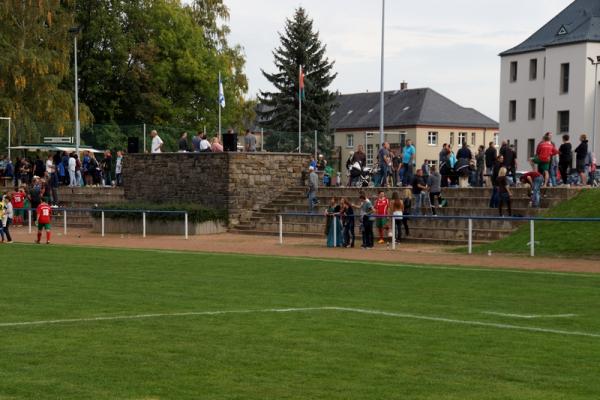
(300, 46)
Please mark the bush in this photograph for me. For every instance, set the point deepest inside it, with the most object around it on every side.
(196, 213)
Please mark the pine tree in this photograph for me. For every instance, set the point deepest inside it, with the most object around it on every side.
(300, 46)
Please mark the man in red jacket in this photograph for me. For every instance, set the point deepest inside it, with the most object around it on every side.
(543, 156)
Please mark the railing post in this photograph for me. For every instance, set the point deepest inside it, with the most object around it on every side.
(65, 222)
(102, 223)
(29, 214)
(532, 237)
(393, 232)
(280, 229)
(185, 218)
(143, 224)
(470, 236)
(334, 231)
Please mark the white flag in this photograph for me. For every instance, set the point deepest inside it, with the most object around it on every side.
(221, 93)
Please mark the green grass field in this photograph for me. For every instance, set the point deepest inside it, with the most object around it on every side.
(564, 239)
(373, 331)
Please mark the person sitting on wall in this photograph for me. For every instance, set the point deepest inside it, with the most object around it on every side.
(204, 144)
(321, 163)
(216, 146)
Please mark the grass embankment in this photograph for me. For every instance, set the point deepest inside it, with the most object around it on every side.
(563, 239)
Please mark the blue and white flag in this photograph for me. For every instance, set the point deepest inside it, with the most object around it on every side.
(221, 93)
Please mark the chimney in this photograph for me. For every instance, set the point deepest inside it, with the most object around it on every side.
(403, 85)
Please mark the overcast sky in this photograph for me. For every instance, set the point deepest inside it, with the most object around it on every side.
(451, 46)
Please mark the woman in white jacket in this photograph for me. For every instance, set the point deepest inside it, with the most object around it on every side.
(7, 218)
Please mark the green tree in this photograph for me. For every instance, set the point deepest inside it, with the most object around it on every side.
(300, 46)
(35, 73)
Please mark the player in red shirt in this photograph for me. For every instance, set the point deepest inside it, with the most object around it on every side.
(18, 203)
(44, 217)
(381, 208)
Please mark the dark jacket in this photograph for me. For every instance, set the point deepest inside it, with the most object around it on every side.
(565, 154)
(582, 150)
(491, 154)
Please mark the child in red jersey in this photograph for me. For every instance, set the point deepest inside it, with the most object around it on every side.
(18, 203)
(44, 217)
(381, 208)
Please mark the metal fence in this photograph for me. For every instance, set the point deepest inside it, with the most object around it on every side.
(103, 212)
(470, 220)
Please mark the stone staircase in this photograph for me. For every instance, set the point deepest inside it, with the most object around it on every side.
(461, 202)
(85, 197)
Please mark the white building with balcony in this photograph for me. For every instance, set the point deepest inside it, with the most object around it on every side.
(548, 83)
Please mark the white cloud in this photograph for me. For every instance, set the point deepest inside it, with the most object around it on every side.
(448, 45)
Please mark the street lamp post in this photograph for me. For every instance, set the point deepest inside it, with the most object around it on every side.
(382, 98)
(595, 64)
(75, 31)
(9, 123)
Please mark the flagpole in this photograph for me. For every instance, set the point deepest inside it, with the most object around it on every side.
(299, 110)
(219, 105)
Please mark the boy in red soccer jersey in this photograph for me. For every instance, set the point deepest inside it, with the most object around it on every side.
(18, 203)
(44, 216)
(381, 208)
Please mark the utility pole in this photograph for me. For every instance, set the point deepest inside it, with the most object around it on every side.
(382, 99)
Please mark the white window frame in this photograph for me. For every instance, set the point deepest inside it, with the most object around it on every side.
(432, 138)
(370, 154)
(496, 139)
(462, 138)
(350, 141)
(451, 141)
(473, 138)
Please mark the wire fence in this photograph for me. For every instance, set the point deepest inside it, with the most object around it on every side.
(470, 220)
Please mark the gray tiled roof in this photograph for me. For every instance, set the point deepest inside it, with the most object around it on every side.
(579, 22)
(411, 107)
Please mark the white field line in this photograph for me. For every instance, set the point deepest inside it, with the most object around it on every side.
(531, 316)
(309, 309)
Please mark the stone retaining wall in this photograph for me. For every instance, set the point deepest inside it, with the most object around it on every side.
(236, 182)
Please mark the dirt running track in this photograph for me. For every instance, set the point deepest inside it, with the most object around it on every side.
(299, 247)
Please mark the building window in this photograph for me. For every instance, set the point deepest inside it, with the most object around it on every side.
(544, 67)
(496, 139)
(451, 138)
(513, 71)
(473, 139)
(369, 154)
(530, 148)
(462, 138)
(532, 109)
(512, 110)
(432, 138)
(564, 78)
(533, 67)
(517, 146)
(563, 121)
(350, 141)
(432, 163)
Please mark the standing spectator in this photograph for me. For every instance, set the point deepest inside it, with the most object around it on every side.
(18, 164)
(444, 163)
(7, 218)
(72, 168)
(381, 208)
(39, 167)
(408, 163)
(65, 163)
(157, 143)
(204, 144)
(407, 209)
(464, 157)
(397, 211)
(52, 179)
(94, 169)
(434, 184)
(216, 146)
(452, 161)
(491, 154)
(366, 210)
(107, 168)
(495, 199)
(348, 223)
(119, 168)
(333, 226)
(44, 217)
(183, 143)
(360, 157)
(249, 142)
(425, 168)
(581, 155)
(510, 161)
(418, 189)
(25, 172)
(321, 163)
(535, 180)
(480, 165)
(543, 155)
(565, 159)
(35, 194)
(504, 191)
(196, 142)
(396, 165)
(87, 174)
(384, 162)
(313, 187)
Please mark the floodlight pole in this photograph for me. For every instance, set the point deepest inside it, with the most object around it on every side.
(382, 99)
(595, 64)
(75, 31)
(9, 123)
